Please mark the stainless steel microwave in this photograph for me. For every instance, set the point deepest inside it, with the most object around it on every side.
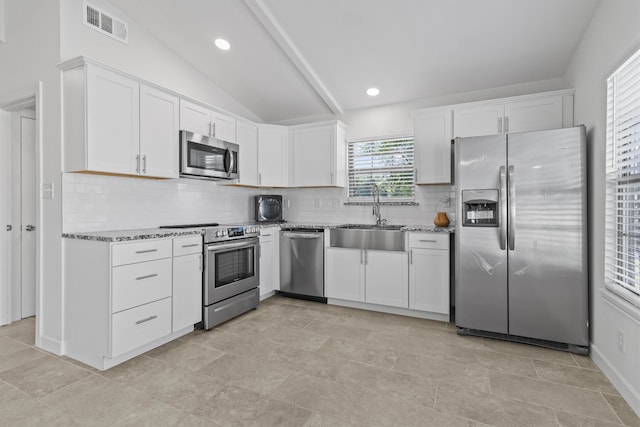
(202, 156)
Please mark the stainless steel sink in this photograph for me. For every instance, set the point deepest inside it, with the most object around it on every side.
(370, 227)
(362, 236)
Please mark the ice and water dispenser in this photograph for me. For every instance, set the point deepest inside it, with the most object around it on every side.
(480, 208)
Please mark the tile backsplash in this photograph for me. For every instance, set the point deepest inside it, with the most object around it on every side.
(98, 202)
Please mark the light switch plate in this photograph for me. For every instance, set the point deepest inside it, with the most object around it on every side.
(48, 190)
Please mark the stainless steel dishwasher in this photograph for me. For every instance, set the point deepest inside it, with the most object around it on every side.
(302, 263)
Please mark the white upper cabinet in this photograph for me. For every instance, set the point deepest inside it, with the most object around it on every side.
(195, 118)
(432, 135)
(159, 129)
(478, 121)
(435, 128)
(273, 156)
(113, 124)
(318, 157)
(534, 114)
(247, 139)
(519, 114)
(199, 119)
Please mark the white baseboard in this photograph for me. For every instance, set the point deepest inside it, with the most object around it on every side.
(626, 390)
(391, 310)
(50, 344)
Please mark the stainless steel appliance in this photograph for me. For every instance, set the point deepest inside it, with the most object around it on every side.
(268, 208)
(302, 263)
(231, 272)
(205, 157)
(521, 238)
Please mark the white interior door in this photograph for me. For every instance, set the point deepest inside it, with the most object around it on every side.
(5, 217)
(24, 215)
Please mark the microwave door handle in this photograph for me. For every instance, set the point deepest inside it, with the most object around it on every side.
(228, 161)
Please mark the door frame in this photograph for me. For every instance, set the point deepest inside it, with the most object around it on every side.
(9, 102)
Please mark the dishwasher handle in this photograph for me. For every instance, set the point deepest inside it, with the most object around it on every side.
(294, 235)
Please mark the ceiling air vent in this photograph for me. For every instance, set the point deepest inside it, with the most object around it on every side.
(106, 23)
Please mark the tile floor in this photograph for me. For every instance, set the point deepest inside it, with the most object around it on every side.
(297, 363)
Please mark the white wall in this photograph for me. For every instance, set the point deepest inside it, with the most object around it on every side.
(144, 57)
(325, 205)
(29, 55)
(613, 35)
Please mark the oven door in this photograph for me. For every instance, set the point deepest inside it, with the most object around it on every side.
(203, 156)
(230, 269)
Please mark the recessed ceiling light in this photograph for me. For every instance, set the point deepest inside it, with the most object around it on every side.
(222, 44)
(373, 91)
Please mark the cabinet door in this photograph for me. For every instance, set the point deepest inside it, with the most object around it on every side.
(273, 156)
(535, 114)
(313, 159)
(429, 280)
(195, 118)
(187, 291)
(159, 127)
(432, 146)
(113, 118)
(267, 263)
(247, 139)
(224, 127)
(345, 274)
(386, 278)
(478, 121)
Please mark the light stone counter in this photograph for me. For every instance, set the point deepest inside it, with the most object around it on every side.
(138, 234)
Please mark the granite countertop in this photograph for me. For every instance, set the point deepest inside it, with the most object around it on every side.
(138, 234)
(158, 233)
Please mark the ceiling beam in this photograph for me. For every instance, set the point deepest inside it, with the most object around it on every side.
(270, 23)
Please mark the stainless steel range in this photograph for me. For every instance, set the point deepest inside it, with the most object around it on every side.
(231, 272)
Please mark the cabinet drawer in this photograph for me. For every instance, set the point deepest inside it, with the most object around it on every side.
(147, 250)
(187, 245)
(140, 283)
(138, 326)
(429, 240)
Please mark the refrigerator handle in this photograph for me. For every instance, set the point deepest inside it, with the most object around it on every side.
(512, 209)
(503, 208)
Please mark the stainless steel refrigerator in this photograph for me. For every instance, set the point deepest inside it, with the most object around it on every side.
(521, 238)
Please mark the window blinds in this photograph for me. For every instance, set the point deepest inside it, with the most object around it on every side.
(622, 228)
(387, 163)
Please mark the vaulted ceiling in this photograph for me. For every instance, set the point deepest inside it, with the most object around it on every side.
(299, 58)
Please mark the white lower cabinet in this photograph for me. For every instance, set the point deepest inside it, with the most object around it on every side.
(187, 282)
(370, 276)
(429, 283)
(386, 278)
(269, 260)
(345, 274)
(124, 298)
(140, 325)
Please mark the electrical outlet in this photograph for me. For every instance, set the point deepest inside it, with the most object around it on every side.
(288, 203)
(621, 341)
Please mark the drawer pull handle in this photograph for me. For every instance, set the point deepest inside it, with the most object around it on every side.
(148, 276)
(191, 245)
(146, 319)
(428, 241)
(146, 251)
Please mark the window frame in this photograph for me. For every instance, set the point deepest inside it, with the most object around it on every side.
(622, 205)
(384, 198)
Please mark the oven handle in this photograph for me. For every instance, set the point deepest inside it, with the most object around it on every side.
(225, 246)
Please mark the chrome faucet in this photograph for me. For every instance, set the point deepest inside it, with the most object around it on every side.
(375, 191)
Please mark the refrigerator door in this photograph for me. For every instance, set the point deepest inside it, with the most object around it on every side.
(548, 287)
(481, 264)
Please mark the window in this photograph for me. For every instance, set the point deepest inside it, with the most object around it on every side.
(387, 163)
(622, 250)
